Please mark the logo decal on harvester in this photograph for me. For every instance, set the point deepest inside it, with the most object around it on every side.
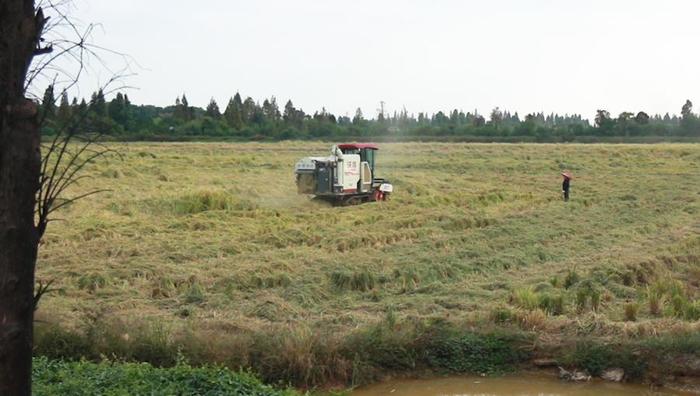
(352, 168)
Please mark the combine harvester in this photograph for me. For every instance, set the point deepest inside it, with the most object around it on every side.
(346, 177)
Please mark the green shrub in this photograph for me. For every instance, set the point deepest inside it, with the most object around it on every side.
(475, 353)
(595, 358)
(55, 342)
(52, 377)
(672, 344)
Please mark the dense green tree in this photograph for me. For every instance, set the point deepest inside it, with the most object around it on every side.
(213, 110)
(623, 122)
(182, 111)
(249, 110)
(292, 116)
(83, 108)
(98, 105)
(63, 116)
(687, 110)
(249, 119)
(358, 119)
(689, 121)
(271, 111)
(496, 117)
(118, 110)
(48, 104)
(478, 121)
(233, 114)
(604, 122)
(642, 118)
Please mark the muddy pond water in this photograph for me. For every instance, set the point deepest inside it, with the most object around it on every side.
(521, 385)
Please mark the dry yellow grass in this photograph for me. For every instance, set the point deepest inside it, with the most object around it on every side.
(214, 236)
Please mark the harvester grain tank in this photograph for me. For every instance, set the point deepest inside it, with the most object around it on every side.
(346, 177)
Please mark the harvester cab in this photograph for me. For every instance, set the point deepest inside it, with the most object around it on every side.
(345, 177)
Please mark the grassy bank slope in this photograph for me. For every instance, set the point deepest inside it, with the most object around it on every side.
(208, 247)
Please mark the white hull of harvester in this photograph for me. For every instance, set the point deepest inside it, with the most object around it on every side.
(345, 177)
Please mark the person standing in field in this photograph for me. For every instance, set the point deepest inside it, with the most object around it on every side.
(566, 185)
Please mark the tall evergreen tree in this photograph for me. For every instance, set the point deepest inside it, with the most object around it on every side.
(187, 111)
(271, 110)
(249, 110)
(183, 111)
(213, 110)
(496, 117)
(98, 105)
(234, 112)
(117, 109)
(292, 116)
(64, 110)
(48, 103)
(358, 119)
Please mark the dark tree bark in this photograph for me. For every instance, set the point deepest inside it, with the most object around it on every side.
(21, 26)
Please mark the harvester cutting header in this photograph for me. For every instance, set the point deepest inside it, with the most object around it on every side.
(346, 177)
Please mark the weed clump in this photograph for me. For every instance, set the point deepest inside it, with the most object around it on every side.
(554, 281)
(526, 299)
(684, 309)
(356, 281)
(587, 294)
(529, 299)
(92, 282)
(630, 311)
(271, 281)
(571, 279)
(656, 300)
(553, 304)
(502, 315)
(194, 294)
(204, 201)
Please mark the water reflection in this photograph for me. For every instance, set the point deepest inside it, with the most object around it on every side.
(524, 385)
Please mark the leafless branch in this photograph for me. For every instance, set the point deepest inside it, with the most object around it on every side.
(68, 153)
(41, 289)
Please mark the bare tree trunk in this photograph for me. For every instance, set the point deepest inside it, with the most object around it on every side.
(20, 162)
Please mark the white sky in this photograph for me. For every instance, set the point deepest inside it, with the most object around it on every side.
(560, 56)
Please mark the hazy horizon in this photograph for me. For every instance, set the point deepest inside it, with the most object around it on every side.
(524, 56)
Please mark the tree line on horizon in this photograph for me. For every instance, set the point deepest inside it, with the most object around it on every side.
(249, 120)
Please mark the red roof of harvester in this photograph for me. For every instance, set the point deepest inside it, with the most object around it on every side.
(358, 146)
